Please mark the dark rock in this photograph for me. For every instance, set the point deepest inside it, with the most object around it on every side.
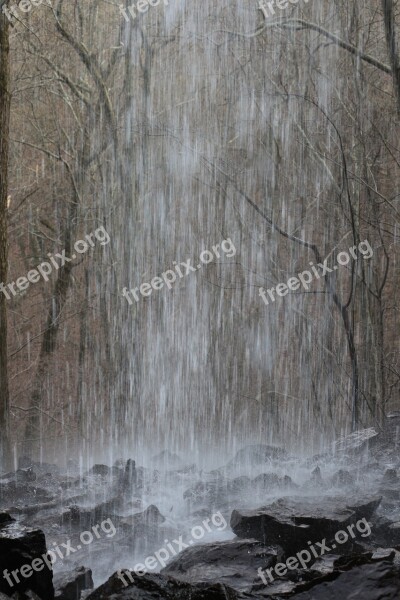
(367, 582)
(84, 518)
(102, 470)
(25, 475)
(384, 554)
(287, 483)
(130, 476)
(11, 491)
(265, 481)
(24, 462)
(390, 476)
(5, 519)
(342, 478)
(19, 546)
(69, 585)
(292, 523)
(316, 476)
(233, 563)
(159, 587)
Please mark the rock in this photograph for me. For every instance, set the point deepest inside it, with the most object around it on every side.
(316, 476)
(84, 518)
(69, 585)
(130, 476)
(291, 523)
(210, 492)
(257, 455)
(25, 475)
(239, 484)
(265, 481)
(159, 587)
(341, 479)
(287, 483)
(384, 447)
(5, 519)
(367, 582)
(102, 470)
(390, 476)
(149, 517)
(167, 460)
(11, 491)
(19, 546)
(233, 563)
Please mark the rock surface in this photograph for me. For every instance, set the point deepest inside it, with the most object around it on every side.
(69, 585)
(233, 563)
(367, 582)
(19, 546)
(292, 523)
(159, 587)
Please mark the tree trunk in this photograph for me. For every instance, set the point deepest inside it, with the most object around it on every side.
(391, 42)
(5, 447)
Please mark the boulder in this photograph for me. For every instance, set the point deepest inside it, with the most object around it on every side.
(291, 523)
(19, 546)
(367, 582)
(102, 470)
(233, 563)
(342, 479)
(69, 585)
(149, 517)
(159, 587)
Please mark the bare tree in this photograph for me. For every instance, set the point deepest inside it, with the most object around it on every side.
(5, 454)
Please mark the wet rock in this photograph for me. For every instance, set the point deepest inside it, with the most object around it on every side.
(19, 546)
(265, 481)
(5, 519)
(287, 483)
(239, 484)
(384, 554)
(390, 476)
(209, 492)
(341, 479)
(167, 460)
(291, 523)
(25, 475)
(259, 454)
(369, 582)
(69, 585)
(316, 476)
(130, 476)
(294, 581)
(27, 493)
(150, 516)
(159, 587)
(102, 470)
(233, 563)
